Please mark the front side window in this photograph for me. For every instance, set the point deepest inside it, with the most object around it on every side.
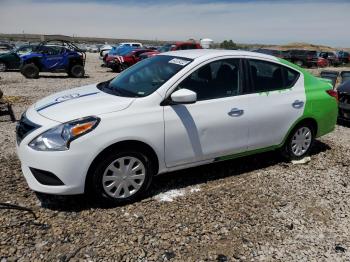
(214, 80)
(266, 76)
(145, 77)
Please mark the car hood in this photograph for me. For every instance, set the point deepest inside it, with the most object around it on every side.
(80, 102)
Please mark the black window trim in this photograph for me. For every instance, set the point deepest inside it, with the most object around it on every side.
(167, 100)
(249, 77)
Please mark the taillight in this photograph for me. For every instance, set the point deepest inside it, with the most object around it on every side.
(333, 93)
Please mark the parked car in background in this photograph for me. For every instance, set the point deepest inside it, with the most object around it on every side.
(170, 112)
(344, 101)
(131, 44)
(104, 50)
(304, 57)
(92, 48)
(116, 51)
(331, 58)
(54, 56)
(276, 53)
(322, 62)
(345, 76)
(344, 57)
(172, 47)
(331, 75)
(12, 59)
(5, 48)
(121, 62)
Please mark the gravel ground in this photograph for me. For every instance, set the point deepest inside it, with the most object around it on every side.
(257, 208)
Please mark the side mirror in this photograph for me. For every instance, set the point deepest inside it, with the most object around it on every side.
(184, 96)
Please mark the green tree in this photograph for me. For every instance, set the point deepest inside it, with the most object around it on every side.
(229, 45)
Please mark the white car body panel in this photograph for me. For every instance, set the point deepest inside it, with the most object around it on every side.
(267, 125)
(180, 135)
(203, 130)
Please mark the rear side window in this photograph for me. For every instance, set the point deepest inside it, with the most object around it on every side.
(266, 76)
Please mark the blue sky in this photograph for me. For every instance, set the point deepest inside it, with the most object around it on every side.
(252, 21)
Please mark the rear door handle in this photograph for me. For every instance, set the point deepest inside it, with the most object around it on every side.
(298, 104)
(235, 112)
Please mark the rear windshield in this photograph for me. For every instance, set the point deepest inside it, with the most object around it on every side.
(145, 77)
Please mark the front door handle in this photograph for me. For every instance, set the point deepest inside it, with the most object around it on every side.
(235, 112)
(298, 104)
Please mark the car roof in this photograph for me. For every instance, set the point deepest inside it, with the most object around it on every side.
(212, 53)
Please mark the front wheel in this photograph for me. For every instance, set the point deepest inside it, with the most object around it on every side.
(30, 71)
(299, 142)
(122, 177)
(77, 71)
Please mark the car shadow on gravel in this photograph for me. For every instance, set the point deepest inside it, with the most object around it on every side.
(343, 123)
(181, 179)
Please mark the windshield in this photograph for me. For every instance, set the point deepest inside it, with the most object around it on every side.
(145, 77)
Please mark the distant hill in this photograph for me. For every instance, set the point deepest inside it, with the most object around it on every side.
(100, 40)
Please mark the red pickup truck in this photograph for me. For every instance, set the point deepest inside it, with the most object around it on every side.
(119, 63)
(172, 47)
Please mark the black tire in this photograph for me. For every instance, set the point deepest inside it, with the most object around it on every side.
(77, 71)
(30, 71)
(287, 150)
(116, 68)
(123, 66)
(97, 187)
(3, 67)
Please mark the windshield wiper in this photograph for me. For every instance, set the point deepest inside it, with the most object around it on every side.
(105, 86)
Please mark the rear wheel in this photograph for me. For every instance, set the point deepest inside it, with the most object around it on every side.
(2, 67)
(116, 68)
(123, 176)
(30, 71)
(77, 71)
(123, 66)
(300, 141)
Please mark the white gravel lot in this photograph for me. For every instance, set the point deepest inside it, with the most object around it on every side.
(257, 208)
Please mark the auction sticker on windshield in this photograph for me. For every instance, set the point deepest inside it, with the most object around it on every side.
(178, 61)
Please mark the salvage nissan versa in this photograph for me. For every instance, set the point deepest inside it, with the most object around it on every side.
(169, 112)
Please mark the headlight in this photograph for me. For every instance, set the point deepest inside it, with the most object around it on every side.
(59, 138)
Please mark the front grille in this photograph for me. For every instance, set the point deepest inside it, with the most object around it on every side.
(24, 127)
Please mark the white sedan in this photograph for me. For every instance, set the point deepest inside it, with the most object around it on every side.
(173, 111)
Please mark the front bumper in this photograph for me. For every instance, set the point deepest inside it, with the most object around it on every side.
(70, 166)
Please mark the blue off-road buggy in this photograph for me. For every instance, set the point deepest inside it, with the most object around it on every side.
(54, 56)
